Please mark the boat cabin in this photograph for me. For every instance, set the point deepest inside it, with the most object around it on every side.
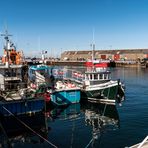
(38, 74)
(12, 72)
(12, 77)
(94, 78)
(96, 73)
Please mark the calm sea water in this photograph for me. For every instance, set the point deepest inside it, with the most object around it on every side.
(88, 125)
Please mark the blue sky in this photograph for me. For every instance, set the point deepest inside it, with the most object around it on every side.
(59, 25)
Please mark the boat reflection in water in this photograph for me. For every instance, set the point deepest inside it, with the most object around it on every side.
(76, 125)
(82, 122)
(23, 130)
(101, 117)
(71, 111)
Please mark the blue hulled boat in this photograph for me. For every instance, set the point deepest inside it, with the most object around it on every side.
(61, 92)
(65, 92)
(15, 96)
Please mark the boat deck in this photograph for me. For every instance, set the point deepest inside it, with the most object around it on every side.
(145, 145)
(100, 100)
(13, 97)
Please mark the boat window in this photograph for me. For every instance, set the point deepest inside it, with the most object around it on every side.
(91, 76)
(96, 76)
(7, 73)
(109, 76)
(13, 72)
(101, 76)
(105, 76)
(86, 77)
(18, 72)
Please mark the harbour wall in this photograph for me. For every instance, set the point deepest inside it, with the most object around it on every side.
(82, 63)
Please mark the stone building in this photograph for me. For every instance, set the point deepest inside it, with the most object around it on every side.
(117, 54)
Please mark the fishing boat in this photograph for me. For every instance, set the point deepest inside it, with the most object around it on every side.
(95, 82)
(98, 86)
(65, 93)
(59, 91)
(15, 96)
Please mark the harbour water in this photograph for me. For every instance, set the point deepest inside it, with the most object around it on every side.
(87, 125)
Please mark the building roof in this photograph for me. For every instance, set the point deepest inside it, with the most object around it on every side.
(115, 51)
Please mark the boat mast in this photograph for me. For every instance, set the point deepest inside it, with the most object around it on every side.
(43, 56)
(7, 46)
(6, 37)
(93, 47)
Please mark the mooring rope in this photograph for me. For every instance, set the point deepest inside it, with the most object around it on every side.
(104, 110)
(30, 128)
(4, 132)
(89, 143)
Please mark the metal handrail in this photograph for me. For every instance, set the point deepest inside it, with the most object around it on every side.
(139, 145)
(146, 138)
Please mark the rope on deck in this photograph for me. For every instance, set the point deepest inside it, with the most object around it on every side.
(30, 128)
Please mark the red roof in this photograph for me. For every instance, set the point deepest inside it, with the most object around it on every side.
(91, 64)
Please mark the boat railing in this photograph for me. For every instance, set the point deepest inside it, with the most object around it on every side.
(71, 74)
(141, 144)
(13, 86)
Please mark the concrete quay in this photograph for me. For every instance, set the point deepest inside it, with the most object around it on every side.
(82, 63)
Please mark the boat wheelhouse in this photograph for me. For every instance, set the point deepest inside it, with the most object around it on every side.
(98, 85)
(39, 74)
(97, 77)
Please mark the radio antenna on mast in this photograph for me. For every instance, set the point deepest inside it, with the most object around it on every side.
(93, 45)
(6, 37)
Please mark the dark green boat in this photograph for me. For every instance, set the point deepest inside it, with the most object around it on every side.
(98, 85)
